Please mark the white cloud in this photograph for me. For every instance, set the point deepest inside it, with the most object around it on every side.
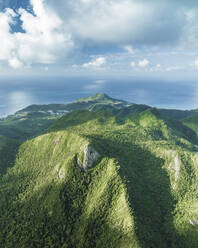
(196, 63)
(144, 63)
(97, 63)
(7, 41)
(133, 64)
(136, 22)
(96, 85)
(46, 68)
(44, 40)
(122, 21)
(129, 49)
(189, 38)
(15, 63)
(174, 68)
(135, 26)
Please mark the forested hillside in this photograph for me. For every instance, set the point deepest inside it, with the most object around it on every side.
(103, 179)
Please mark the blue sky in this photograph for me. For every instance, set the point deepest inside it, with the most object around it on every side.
(145, 38)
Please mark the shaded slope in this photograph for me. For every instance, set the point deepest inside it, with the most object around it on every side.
(140, 192)
(177, 114)
(191, 122)
(25, 126)
(8, 150)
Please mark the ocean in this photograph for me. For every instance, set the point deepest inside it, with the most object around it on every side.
(19, 92)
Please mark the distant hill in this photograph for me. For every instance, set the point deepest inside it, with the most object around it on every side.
(82, 103)
(34, 119)
(100, 97)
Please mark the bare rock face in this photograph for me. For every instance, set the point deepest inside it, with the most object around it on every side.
(177, 170)
(61, 174)
(90, 156)
(175, 165)
(193, 222)
(57, 142)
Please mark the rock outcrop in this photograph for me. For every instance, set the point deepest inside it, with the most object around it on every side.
(90, 156)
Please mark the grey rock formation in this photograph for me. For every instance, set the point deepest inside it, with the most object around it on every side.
(90, 156)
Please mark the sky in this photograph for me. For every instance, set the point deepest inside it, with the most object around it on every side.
(133, 37)
(138, 40)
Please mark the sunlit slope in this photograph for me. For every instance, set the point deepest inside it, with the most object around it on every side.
(54, 202)
(100, 179)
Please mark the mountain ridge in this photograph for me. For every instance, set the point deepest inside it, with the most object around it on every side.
(140, 191)
(34, 119)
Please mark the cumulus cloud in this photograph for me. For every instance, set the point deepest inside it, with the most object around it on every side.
(136, 22)
(144, 63)
(129, 49)
(189, 39)
(123, 21)
(7, 41)
(95, 85)
(51, 30)
(96, 63)
(174, 68)
(15, 63)
(196, 63)
(133, 64)
(43, 40)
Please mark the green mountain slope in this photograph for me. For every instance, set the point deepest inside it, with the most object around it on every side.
(177, 114)
(82, 103)
(8, 150)
(103, 179)
(191, 122)
(34, 119)
(24, 126)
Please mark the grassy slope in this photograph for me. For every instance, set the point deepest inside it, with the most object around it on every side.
(142, 192)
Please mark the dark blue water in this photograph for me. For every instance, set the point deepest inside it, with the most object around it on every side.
(16, 93)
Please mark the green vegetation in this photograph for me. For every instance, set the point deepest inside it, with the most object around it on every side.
(8, 150)
(34, 119)
(191, 122)
(139, 192)
(25, 126)
(177, 114)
